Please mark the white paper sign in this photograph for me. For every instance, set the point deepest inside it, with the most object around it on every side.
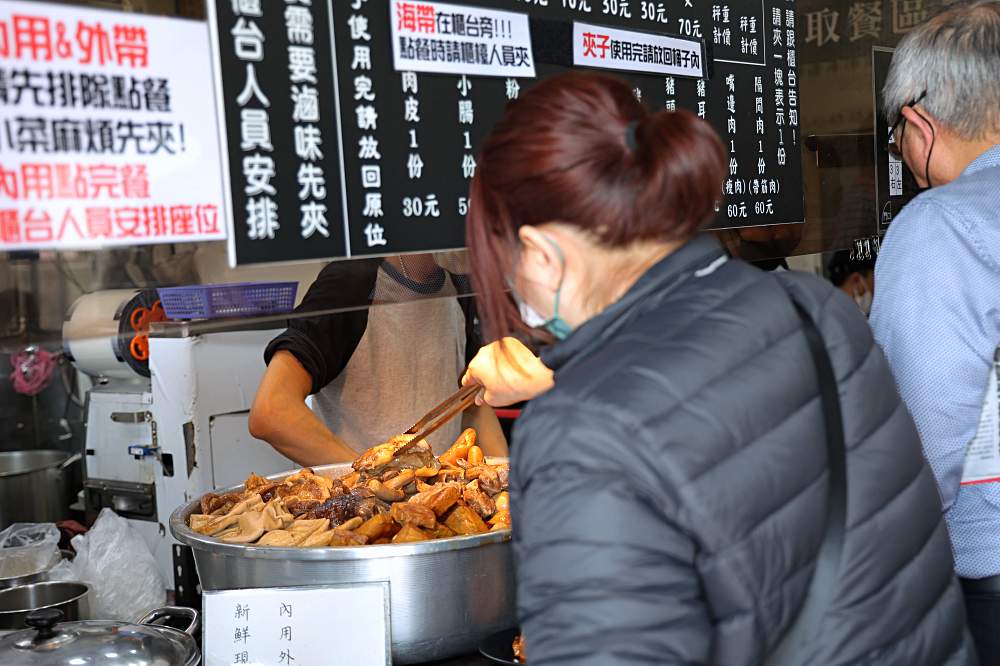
(626, 50)
(456, 39)
(107, 135)
(982, 458)
(298, 626)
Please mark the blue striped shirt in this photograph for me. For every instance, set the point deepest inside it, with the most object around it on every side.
(937, 316)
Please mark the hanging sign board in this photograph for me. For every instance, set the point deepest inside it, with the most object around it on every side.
(454, 39)
(630, 51)
(407, 92)
(894, 184)
(298, 625)
(104, 135)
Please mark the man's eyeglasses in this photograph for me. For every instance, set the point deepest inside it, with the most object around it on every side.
(899, 127)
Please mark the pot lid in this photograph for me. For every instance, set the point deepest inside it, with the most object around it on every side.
(51, 642)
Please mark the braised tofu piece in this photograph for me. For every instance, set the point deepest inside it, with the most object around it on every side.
(463, 520)
(278, 539)
(439, 498)
(500, 520)
(376, 527)
(409, 534)
(441, 532)
(317, 539)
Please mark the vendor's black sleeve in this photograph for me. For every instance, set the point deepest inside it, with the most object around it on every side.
(324, 343)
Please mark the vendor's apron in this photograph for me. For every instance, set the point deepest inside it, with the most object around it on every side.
(410, 358)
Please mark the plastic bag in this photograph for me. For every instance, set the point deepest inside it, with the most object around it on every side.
(63, 570)
(115, 561)
(27, 548)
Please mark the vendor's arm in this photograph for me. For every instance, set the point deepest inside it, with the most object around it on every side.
(509, 372)
(281, 418)
(306, 357)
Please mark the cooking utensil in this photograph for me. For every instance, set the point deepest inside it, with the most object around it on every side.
(449, 408)
(34, 486)
(51, 641)
(446, 595)
(500, 647)
(70, 597)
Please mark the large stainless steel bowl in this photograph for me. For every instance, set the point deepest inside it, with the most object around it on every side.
(446, 595)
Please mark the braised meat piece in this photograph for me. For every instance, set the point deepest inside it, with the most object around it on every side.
(482, 503)
(212, 503)
(398, 453)
(305, 485)
(255, 483)
(493, 478)
(336, 509)
(359, 502)
(341, 538)
(408, 513)
(301, 506)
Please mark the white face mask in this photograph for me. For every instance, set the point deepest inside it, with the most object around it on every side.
(864, 302)
(529, 315)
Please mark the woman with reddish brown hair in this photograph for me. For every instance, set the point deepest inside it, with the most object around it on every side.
(670, 482)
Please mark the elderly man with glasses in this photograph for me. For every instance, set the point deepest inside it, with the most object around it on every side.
(937, 308)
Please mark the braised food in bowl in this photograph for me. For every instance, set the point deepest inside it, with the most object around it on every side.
(398, 492)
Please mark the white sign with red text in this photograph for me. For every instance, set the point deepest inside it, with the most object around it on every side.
(982, 456)
(455, 39)
(630, 51)
(108, 133)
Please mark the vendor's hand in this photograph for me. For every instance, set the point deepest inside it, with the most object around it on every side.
(509, 373)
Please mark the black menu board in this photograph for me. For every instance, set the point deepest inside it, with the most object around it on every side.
(894, 184)
(405, 143)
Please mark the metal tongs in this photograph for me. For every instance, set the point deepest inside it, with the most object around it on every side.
(451, 407)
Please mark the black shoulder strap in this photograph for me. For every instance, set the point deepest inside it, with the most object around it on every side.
(793, 647)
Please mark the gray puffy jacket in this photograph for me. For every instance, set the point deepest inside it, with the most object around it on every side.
(669, 494)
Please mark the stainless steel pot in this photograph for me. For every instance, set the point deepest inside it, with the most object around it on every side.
(34, 486)
(72, 598)
(27, 579)
(446, 595)
(52, 642)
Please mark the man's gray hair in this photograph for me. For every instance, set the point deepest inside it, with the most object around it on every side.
(954, 60)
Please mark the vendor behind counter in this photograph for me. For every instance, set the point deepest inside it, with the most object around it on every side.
(371, 371)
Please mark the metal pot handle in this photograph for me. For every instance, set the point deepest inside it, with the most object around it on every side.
(76, 457)
(194, 618)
